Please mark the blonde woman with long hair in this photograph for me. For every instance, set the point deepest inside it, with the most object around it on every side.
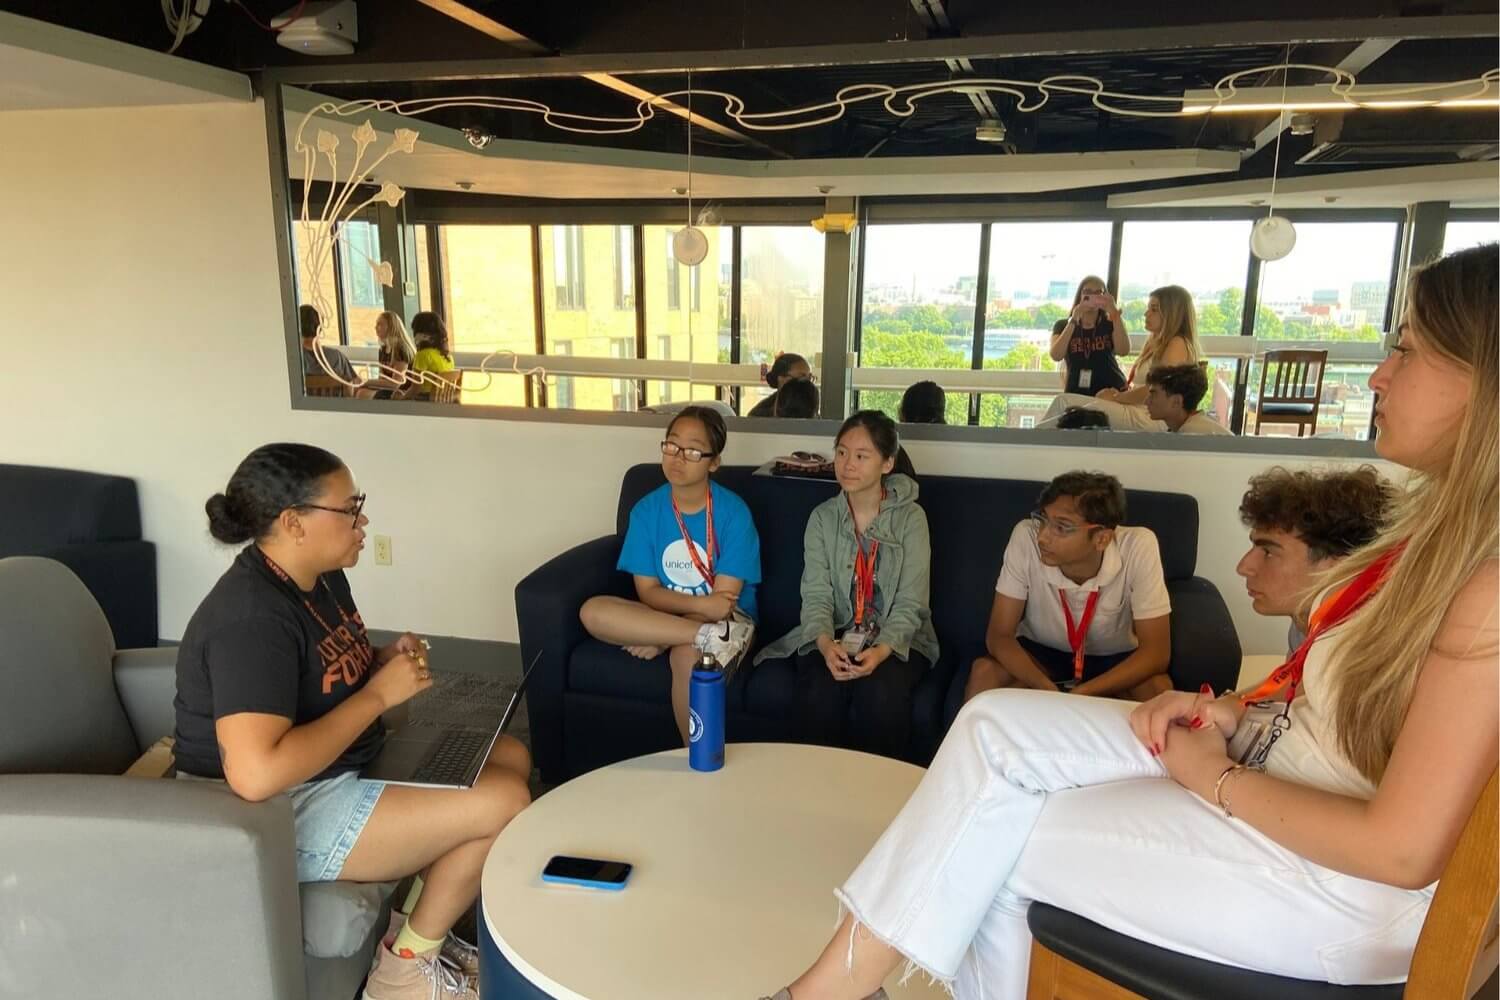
(1320, 862)
(397, 350)
(1171, 323)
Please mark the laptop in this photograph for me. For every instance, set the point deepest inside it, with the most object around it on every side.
(451, 728)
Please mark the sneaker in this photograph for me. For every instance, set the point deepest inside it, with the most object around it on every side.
(726, 641)
(417, 977)
(456, 952)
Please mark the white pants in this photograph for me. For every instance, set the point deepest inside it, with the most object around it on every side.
(1122, 416)
(1042, 796)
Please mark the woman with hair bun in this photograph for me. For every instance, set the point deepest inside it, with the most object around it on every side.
(787, 368)
(280, 691)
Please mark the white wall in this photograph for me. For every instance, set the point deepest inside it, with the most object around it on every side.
(142, 284)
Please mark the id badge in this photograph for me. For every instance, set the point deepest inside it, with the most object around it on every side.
(1086, 379)
(857, 640)
(1259, 729)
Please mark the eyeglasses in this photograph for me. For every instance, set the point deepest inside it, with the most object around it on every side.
(351, 512)
(1044, 523)
(672, 449)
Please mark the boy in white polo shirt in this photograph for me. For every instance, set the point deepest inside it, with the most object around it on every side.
(1081, 603)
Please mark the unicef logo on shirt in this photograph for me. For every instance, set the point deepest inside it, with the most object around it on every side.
(677, 566)
(695, 727)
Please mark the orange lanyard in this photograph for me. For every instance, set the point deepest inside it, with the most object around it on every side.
(343, 615)
(705, 571)
(864, 566)
(1333, 611)
(1075, 638)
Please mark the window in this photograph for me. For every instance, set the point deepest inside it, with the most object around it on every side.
(917, 310)
(487, 289)
(624, 267)
(364, 298)
(567, 266)
(586, 318)
(1208, 258)
(1028, 421)
(699, 334)
(562, 386)
(781, 297)
(1332, 286)
(326, 297)
(1462, 234)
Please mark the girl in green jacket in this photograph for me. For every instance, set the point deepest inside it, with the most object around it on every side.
(866, 634)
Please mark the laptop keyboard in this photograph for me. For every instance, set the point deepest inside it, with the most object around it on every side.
(452, 759)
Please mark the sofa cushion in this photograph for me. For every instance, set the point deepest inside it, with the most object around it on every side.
(42, 507)
(337, 917)
(598, 668)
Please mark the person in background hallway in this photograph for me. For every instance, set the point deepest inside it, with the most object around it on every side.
(1301, 524)
(310, 322)
(694, 554)
(1173, 393)
(923, 403)
(279, 691)
(1172, 326)
(1320, 866)
(796, 400)
(1091, 340)
(786, 368)
(1081, 604)
(433, 351)
(866, 633)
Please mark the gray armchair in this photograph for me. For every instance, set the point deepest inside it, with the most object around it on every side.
(135, 887)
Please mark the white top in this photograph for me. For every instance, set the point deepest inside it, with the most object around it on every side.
(732, 892)
(1202, 423)
(1308, 752)
(1130, 585)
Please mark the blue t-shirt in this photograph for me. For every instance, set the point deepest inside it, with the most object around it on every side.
(654, 544)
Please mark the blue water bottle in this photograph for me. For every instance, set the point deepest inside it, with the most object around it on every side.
(706, 719)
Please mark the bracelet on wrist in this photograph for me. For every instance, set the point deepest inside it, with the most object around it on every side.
(1221, 789)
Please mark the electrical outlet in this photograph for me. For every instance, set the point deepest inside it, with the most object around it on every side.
(382, 550)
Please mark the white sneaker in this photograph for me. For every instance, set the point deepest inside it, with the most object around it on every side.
(726, 641)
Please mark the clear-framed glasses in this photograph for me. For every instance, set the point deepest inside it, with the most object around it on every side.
(1061, 530)
(672, 449)
(352, 512)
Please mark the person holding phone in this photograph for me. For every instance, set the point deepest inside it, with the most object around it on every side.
(866, 635)
(694, 555)
(1091, 340)
(1318, 863)
(280, 691)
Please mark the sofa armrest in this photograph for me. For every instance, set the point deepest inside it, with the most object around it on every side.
(167, 890)
(1205, 646)
(122, 578)
(547, 603)
(146, 680)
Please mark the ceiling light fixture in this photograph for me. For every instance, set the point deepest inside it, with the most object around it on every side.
(478, 137)
(990, 130)
(689, 245)
(1273, 237)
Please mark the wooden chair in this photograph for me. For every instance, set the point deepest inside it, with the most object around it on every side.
(1296, 389)
(447, 392)
(1073, 958)
(323, 385)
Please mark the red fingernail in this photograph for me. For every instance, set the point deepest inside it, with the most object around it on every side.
(1205, 689)
(1156, 749)
(1197, 724)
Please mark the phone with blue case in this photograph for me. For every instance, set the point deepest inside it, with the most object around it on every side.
(591, 873)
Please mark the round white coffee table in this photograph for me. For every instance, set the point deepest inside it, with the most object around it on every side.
(732, 892)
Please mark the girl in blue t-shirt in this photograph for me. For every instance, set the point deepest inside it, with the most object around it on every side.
(694, 553)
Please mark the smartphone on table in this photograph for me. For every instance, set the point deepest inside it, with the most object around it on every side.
(591, 873)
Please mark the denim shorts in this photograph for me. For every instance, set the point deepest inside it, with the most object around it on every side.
(327, 817)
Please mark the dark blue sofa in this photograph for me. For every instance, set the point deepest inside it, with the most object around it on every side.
(90, 523)
(591, 704)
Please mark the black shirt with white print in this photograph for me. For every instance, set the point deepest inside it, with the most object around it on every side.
(254, 646)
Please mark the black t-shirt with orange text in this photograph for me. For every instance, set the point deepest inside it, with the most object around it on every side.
(253, 646)
(1092, 351)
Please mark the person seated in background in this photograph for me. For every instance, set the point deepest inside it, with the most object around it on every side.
(796, 400)
(310, 322)
(1301, 524)
(1173, 393)
(694, 554)
(924, 403)
(1091, 340)
(280, 691)
(397, 351)
(1080, 418)
(1171, 323)
(786, 368)
(865, 635)
(433, 353)
(1081, 604)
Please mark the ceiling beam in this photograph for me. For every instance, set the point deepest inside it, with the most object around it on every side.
(467, 15)
(1070, 42)
(1362, 55)
(937, 18)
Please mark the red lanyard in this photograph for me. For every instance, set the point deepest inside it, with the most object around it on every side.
(1076, 636)
(1333, 611)
(343, 616)
(864, 566)
(705, 571)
